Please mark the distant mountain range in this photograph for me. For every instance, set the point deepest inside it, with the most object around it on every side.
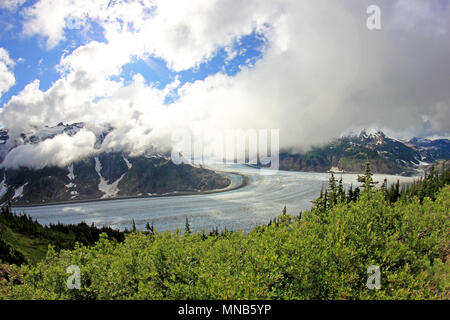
(104, 176)
(114, 175)
(386, 155)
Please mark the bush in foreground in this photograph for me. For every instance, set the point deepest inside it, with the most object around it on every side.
(322, 254)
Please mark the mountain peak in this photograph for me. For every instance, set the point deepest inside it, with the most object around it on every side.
(372, 136)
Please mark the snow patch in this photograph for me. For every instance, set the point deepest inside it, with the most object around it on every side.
(71, 175)
(157, 156)
(129, 165)
(18, 193)
(437, 137)
(98, 166)
(3, 187)
(109, 190)
(332, 170)
(48, 133)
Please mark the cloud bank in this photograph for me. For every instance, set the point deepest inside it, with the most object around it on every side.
(59, 151)
(321, 72)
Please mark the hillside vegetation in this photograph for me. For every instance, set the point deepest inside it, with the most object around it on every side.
(24, 240)
(322, 253)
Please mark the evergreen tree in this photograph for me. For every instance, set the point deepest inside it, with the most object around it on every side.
(187, 226)
(367, 182)
(350, 194)
(204, 236)
(318, 203)
(356, 194)
(150, 228)
(341, 192)
(333, 191)
(396, 191)
(384, 189)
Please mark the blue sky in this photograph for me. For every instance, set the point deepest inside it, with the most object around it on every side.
(34, 61)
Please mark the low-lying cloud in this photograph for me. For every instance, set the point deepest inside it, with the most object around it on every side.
(60, 151)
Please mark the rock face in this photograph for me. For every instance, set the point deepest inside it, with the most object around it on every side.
(431, 150)
(386, 155)
(106, 175)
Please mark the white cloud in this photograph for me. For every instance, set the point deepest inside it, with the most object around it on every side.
(59, 151)
(49, 18)
(69, 99)
(322, 71)
(183, 33)
(7, 79)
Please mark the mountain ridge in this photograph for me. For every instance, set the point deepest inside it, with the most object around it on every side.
(103, 175)
(386, 155)
(110, 175)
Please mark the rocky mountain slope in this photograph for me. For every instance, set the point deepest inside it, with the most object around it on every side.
(106, 175)
(386, 155)
(431, 150)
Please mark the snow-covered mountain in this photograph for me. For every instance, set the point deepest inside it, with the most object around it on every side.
(431, 150)
(386, 155)
(101, 176)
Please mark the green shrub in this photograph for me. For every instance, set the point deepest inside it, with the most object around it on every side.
(323, 255)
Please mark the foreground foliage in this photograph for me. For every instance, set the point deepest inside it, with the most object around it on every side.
(323, 253)
(24, 240)
(320, 255)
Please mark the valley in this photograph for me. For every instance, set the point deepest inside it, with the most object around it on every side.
(260, 200)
